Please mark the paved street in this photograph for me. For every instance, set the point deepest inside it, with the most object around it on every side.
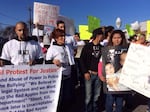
(137, 103)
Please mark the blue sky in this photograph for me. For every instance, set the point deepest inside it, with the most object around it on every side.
(129, 11)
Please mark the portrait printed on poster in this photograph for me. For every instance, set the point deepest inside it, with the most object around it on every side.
(113, 59)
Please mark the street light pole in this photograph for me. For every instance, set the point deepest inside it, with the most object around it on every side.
(30, 21)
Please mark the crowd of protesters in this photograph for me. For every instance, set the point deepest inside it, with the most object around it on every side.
(80, 60)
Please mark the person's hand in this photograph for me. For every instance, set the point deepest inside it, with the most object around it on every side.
(112, 81)
(102, 78)
(57, 62)
(87, 76)
(31, 62)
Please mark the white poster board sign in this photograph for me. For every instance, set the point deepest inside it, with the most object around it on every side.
(45, 14)
(48, 29)
(69, 23)
(136, 69)
(79, 50)
(29, 88)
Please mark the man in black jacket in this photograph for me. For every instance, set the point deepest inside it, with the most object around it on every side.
(89, 59)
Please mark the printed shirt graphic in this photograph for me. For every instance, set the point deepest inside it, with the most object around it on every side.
(96, 51)
(95, 56)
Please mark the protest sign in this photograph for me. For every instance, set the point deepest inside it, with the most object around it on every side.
(84, 33)
(93, 23)
(112, 58)
(45, 14)
(69, 24)
(48, 29)
(136, 69)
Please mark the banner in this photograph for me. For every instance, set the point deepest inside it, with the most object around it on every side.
(93, 23)
(136, 69)
(113, 60)
(26, 88)
(45, 14)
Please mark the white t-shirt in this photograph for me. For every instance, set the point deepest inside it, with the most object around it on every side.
(71, 42)
(60, 53)
(21, 52)
(80, 43)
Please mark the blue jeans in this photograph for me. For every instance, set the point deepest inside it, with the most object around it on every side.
(114, 98)
(92, 93)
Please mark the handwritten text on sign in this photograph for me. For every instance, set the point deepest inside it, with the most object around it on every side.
(136, 69)
(45, 14)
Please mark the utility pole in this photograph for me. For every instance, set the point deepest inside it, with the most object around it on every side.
(30, 21)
